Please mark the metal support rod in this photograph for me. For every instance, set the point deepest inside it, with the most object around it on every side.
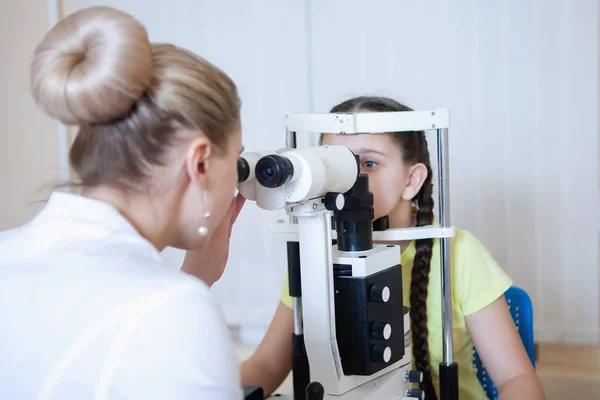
(295, 284)
(446, 249)
(290, 143)
(300, 366)
(298, 325)
(290, 139)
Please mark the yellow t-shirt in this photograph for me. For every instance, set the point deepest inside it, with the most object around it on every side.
(477, 280)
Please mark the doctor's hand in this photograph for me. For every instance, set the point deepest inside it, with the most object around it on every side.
(208, 262)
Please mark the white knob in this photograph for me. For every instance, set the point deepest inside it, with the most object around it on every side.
(381, 330)
(387, 331)
(380, 294)
(387, 354)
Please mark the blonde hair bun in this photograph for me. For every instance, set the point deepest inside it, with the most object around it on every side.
(92, 66)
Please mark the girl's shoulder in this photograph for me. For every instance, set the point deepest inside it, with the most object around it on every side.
(466, 246)
(477, 278)
(464, 240)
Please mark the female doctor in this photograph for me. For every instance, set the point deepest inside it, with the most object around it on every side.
(89, 309)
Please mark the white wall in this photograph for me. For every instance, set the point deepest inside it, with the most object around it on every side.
(520, 79)
(28, 145)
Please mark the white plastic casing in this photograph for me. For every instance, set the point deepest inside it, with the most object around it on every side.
(369, 122)
(365, 263)
(317, 171)
(268, 199)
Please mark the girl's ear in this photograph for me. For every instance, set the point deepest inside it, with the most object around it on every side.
(198, 160)
(417, 174)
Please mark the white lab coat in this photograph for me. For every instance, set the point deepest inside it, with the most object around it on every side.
(89, 310)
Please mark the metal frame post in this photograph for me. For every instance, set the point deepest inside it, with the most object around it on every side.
(448, 368)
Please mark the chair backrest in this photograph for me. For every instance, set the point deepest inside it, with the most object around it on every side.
(521, 310)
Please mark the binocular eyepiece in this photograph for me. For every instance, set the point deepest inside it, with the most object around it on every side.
(276, 178)
(243, 169)
(271, 171)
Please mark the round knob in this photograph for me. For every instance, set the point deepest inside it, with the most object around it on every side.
(414, 376)
(416, 393)
(380, 293)
(381, 331)
(334, 201)
(381, 354)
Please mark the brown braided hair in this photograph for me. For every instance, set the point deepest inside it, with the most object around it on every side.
(413, 146)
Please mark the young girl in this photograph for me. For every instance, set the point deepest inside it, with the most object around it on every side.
(400, 178)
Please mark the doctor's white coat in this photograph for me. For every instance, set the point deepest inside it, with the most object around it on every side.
(90, 310)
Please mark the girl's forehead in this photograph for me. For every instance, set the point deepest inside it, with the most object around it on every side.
(380, 142)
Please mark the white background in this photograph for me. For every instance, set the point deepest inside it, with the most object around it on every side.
(519, 77)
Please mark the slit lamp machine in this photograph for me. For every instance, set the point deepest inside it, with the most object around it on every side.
(351, 329)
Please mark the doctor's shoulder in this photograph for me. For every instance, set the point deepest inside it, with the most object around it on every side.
(183, 338)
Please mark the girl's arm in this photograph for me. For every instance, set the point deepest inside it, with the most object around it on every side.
(272, 361)
(501, 350)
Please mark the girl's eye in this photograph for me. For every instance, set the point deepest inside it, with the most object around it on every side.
(369, 164)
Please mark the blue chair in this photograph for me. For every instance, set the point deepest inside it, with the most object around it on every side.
(521, 310)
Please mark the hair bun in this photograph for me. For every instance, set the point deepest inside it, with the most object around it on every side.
(92, 66)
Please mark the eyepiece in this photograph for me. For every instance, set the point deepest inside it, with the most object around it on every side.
(274, 171)
(243, 169)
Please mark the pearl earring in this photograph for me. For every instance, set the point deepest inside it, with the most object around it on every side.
(203, 230)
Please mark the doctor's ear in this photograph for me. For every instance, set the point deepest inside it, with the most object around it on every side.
(417, 174)
(198, 160)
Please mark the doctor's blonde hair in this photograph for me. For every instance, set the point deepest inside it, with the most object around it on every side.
(97, 69)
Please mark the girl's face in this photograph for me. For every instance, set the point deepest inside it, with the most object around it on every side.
(381, 159)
